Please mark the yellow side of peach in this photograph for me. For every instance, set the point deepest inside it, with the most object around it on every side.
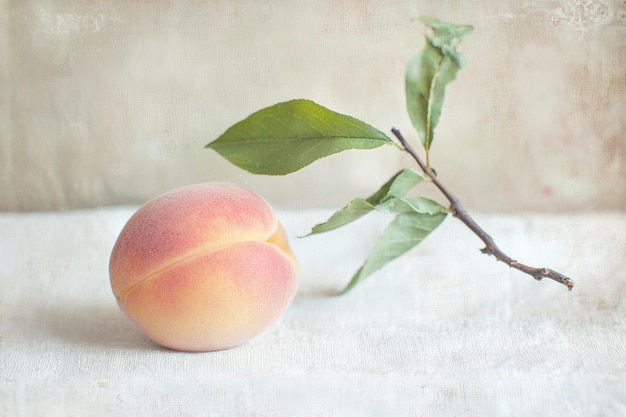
(203, 267)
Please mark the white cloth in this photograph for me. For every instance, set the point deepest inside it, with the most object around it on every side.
(442, 331)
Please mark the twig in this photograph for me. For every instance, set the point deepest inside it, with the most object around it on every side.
(490, 246)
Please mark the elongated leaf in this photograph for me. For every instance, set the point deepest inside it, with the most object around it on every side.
(401, 205)
(286, 137)
(429, 73)
(355, 209)
(403, 233)
(397, 186)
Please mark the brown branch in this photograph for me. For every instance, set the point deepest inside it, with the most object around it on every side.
(490, 246)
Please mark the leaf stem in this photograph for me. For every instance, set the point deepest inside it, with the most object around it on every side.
(460, 213)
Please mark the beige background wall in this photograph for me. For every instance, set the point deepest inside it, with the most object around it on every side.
(112, 102)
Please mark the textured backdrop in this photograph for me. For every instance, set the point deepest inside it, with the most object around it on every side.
(112, 102)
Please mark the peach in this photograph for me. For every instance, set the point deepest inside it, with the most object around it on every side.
(203, 267)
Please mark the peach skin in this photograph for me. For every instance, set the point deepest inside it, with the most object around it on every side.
(203, 267)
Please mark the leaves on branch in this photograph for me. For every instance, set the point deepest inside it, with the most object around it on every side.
(429, 73)
(416, 218)
(286, 137)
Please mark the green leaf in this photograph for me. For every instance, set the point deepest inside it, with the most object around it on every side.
(397, 186)
(355, 209)
(429, 73)
(447, 36)
(412, 205)
(286, 137)
(403, 233)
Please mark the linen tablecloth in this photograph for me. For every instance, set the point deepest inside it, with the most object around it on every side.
(441, 331)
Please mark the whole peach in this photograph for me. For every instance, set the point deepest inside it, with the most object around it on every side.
(203, 267)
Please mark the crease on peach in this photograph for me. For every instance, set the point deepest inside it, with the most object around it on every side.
(204, 251)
